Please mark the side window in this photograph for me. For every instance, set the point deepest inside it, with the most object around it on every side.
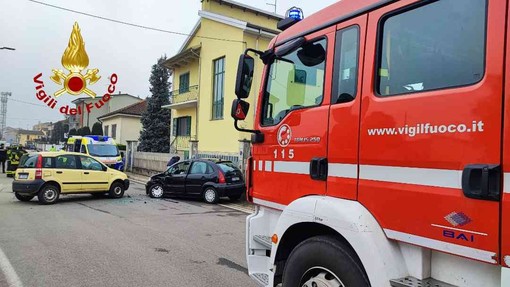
(210, 169)
(83, 149)
(181, 168)
(294, 81)
(198, 168)
(47, 162)
(346, 65)
(434, 46)
(90, 163)
(66, 161)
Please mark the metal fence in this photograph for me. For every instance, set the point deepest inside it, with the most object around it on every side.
(230, 157)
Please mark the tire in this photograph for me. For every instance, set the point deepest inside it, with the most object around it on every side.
(48, 194)
(234, 197)
(156, 191)
(323, 261)
(210, 195)
(23, 197)
(116, 190)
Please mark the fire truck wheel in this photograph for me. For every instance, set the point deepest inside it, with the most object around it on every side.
(48, 194)
(211, 195)
(23, 197)
(323, 261)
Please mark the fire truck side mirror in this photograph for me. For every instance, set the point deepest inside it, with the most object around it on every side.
(244, 76)
(240, 109)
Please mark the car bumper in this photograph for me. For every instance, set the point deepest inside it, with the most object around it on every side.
(126, 184)
(27, 187)
(231, 189)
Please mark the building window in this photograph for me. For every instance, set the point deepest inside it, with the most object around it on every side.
(218, 88)
(435, 46)
(182, 126)
(184, 83)
(106, 130)
(114, 131)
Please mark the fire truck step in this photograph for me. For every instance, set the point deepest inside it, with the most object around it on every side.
(413, 282)
(264, 240)
(263, 278)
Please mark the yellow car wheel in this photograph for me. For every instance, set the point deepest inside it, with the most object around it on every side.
(23, 197)
(48, 194)
(116, 190)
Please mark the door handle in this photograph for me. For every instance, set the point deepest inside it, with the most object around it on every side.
(482, 181)
(59, 172)
(86, 172)
(319, 168)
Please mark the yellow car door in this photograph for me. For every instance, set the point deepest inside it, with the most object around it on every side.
(94, 175)
(68, 173)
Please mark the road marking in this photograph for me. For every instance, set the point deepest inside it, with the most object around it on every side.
(9, 272)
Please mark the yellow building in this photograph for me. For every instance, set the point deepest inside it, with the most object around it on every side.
(25, 137)
(204, 75)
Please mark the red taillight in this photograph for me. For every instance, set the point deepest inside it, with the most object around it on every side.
(221, 177)
(38, 167)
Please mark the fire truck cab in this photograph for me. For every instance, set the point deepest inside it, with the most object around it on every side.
(381, 147)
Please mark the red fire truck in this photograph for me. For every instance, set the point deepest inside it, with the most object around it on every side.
(381, 146)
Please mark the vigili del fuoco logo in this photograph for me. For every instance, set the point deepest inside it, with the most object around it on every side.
(75, 81)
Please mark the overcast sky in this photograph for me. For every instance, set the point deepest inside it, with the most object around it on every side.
(40, 35)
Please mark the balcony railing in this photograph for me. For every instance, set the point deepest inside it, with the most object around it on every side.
(184, 95)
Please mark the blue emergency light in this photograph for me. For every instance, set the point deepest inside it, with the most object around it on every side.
(295, 13)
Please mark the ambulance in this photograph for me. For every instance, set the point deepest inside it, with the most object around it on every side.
(381, 146)
(103, 148)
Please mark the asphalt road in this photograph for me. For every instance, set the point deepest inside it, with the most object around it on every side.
(133, 241)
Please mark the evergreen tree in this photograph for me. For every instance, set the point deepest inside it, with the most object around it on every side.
(56, 133)
(84, 131)
(72, 132)
(155, 134)
(97, 129)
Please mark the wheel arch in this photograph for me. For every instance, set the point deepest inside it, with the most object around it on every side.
(118, 180)
(51, 182)
(207, 185)
(350, 223)
(300, 232)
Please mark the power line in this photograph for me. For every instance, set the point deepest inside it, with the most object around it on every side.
(28, 103)
(132, 24)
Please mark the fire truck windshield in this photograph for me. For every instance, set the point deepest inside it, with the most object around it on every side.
(294, 81)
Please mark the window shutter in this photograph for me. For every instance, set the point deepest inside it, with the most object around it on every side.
(174, 127)
(188, 132)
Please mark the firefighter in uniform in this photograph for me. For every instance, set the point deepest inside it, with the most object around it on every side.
(13, 156)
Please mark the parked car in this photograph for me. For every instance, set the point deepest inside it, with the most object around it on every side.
(209, 179)
(49, 174)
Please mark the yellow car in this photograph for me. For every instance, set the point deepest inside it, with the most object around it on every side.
(49, 174)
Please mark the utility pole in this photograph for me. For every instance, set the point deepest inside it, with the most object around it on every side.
(274, 5)
(3, 111)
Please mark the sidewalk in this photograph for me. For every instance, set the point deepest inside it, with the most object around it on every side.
(241, 205)
(5, 183)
